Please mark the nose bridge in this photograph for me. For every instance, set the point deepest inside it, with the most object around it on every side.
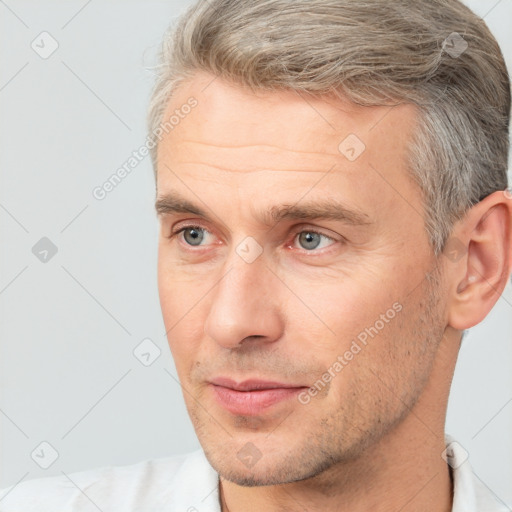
(242, 304)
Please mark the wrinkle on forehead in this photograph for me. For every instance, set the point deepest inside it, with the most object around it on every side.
(242, 144)
(232, 124)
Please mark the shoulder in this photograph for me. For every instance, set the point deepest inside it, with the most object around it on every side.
(151, 482)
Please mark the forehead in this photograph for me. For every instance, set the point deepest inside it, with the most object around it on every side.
(231, 115)
(234, 137)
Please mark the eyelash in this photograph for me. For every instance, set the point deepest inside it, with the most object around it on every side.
(303, 230)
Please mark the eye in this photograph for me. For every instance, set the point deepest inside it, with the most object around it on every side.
(193, 235)
(308, 239)
(311, 240)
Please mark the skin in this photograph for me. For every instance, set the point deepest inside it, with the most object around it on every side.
(373, 438)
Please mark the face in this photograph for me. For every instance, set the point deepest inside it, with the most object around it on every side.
(294, 276)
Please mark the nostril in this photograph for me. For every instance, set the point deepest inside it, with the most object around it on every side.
(252, 337)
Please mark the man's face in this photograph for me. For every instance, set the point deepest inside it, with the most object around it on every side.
(337, 313)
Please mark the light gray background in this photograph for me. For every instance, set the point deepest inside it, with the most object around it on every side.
(69, 326)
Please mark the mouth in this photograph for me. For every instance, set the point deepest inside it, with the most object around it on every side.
(252, 397)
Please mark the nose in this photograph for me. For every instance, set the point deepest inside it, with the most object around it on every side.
(245, 304)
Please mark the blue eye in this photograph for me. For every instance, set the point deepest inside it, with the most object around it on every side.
(196, 235)
(311, 239)
(193, 235)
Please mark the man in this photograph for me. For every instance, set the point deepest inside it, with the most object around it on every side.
(332, 194)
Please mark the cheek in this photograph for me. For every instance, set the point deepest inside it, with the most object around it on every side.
(183, 315)
(184, 341)
(179, 291)
(338, 310)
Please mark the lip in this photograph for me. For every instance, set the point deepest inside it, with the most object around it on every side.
(251, 384)
(252, 396)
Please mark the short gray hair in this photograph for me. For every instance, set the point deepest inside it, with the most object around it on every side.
(373, 52)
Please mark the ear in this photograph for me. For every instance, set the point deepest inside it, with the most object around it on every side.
(479, 260)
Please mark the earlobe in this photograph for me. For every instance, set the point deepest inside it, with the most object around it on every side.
(480, 278)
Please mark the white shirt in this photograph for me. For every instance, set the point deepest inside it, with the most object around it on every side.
(186, 483)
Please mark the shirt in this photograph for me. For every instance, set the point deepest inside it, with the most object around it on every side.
(187, 483)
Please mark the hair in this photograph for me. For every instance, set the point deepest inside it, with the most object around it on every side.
(371, 52)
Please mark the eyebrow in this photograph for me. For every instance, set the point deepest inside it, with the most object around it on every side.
(327, 209)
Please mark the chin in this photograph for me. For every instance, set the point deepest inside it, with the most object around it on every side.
(271, 469)
(264, 476)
